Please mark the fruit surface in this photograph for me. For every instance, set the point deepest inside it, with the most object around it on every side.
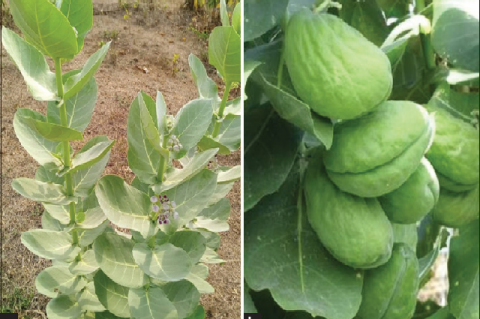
(333, 67)
(455, 150)
(376, 153)
(390, 291)
(355, 230)
(456, 209)
(415, 198)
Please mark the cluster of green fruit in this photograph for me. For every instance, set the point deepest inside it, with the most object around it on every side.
(391, 162)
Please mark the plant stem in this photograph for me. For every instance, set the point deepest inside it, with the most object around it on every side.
(419, 5)
(223, 104)
(162, 167)
(67, 162)
(426, 39)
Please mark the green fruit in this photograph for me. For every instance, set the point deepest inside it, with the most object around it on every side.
(390, 291)
(456, 209)
(333, 67)
(405, 234)
(355, 230)
(415, 198)
(375, 154)
(455, 149)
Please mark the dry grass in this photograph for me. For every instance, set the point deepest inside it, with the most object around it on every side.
(139, 44)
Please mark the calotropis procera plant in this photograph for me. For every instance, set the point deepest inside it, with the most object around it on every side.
(120, 250)
(362, 155)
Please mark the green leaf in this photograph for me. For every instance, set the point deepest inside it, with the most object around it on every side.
(193, 243)
(50, 223)
(233, 107)
(395, 8)
(114, 256)
(463, 269)
(105, 315)
(221, 190)
(165, 262)
(112, 296)
(271, 146)
(45, 27)
(178, 176)
(33, 66)
(53, 132)
(237, 18)
(90, 155)
(224, 53)
(288, 259)
(215, 217)
(261, 16)
(183, 295)
(192, 196)
(35, 144)
(88, 299)
(148, 125)
(455, 32)
(124, 205)
(191, 123)
(197, 278)
(224, 14)
(86, 265)
(198, 313)
(231, 175)
(93, 214)
(57, 279)
(161, 111)
(79, 107)
(151, 303)
(75, 83)
(211, 257)
(143, 159)
(41, 192)
(229, 135)
(248, 302)
(80, 15)
(248, 67)
(88, 236)
(63, 307)
(207, 88)
(461, 77)
(50, 244)
(442, 314)
(367, 17)
(49, 174)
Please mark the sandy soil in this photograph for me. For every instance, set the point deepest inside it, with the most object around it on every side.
(140, 59)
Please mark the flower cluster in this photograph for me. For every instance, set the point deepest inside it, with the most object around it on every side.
(165, 208)
(170, 122)
(173, 144)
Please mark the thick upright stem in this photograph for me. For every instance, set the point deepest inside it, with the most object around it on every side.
(162, 167)
(223, 104)
(67, 161)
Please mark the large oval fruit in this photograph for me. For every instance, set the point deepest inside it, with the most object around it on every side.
(455, 149)
(333, 67)
(456, 209)
(415, 198)
(376, 153)
(355, 230)
(390, 291)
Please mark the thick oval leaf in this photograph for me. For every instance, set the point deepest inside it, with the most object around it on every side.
(271, 146)
(463, 270)
(45, 27)
(87, 236)
(229, 135)
(41, 192)
(50, 223)
(148, 124)
(224, 53)
(114, 256)
(80, 15)
(261, 16)
(85, 179)
(193, 243)
(53, 132)
(230, 175)
(191, 123)
(124, 205)
(79, 107)
(178, 176)
(183, 295)
(248, 302)
(88, 300)
(86, 265)
(151, 303)
(64, 307)
(455, 34)
(206, 87)
(112, 296)
(88, 156)
(214, 218)
(197, 278)
(57, 279)
(198, 313)
(50, 244)
(221, 190)
(288, 259)
(211, 257)
(165, 262)
(33, 66)
(33, 142)
(192, 196)
(75, 83)
(237, 18)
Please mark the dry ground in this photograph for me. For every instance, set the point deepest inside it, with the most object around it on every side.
(147, 40)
